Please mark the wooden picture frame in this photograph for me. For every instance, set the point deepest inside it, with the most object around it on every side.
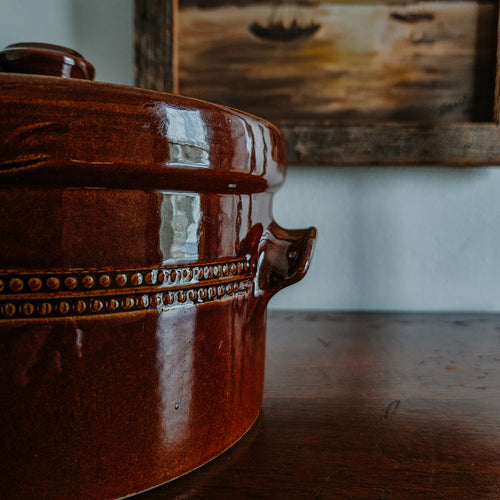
(328, 142)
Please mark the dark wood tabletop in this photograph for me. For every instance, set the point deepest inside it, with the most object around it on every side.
(368, 406)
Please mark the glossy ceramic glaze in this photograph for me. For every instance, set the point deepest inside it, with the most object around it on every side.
(138, 256)
(45, 59)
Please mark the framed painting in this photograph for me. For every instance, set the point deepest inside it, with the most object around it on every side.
(347, 82)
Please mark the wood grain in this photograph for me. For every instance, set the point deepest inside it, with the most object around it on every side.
(155, 44)
(406, 144)
(367, 406)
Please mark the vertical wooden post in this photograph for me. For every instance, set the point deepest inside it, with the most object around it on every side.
(156, 44)
(496, 104)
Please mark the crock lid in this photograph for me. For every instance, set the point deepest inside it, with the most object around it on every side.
(60, 131)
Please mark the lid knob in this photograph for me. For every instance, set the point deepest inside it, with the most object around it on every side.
(45, 59)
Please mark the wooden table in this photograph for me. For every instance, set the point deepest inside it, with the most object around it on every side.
(368, 406)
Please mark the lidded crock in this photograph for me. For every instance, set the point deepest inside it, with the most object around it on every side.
(138, 256)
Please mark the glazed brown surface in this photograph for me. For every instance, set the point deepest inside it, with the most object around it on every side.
(367, 406)
(78, 133)
(123, 404)
(45, 59)
(132, 352)
(138, 256)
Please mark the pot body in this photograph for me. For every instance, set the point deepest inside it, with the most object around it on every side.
(132, 318)
(129, 333)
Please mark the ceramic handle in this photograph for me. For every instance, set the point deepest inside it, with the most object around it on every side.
(284, 257)
(45, 59)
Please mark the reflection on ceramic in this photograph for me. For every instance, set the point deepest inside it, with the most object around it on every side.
(187, 136)
(138, 257)
(181, 223)
(175, 334)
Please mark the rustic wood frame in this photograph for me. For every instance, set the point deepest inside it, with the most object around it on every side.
(329, 143)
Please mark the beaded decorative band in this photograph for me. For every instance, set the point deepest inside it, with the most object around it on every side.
(83, 293)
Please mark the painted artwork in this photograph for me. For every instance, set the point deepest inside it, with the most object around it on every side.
(324, 60)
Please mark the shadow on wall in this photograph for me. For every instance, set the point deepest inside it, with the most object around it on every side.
(104, 34)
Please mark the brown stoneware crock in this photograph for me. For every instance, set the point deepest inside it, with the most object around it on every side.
(137, 256)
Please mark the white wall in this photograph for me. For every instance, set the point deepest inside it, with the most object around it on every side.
(101, 30)
(417, 239)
